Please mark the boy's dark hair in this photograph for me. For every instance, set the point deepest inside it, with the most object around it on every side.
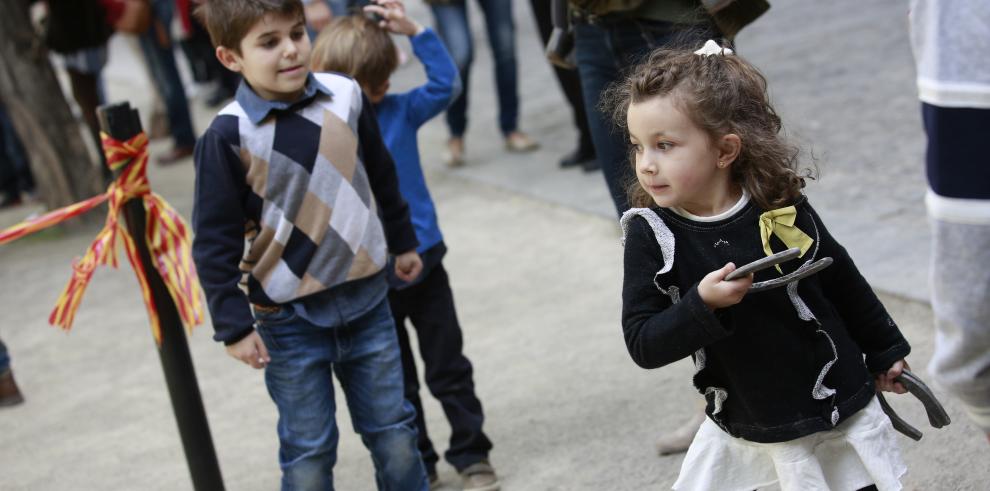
(228, 21)
(721, 94)
(357, 46)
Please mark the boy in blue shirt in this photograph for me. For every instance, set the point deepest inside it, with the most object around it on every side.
(296, 167)
(364, 50)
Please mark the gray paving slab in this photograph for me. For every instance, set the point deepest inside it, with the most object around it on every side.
(566, 407)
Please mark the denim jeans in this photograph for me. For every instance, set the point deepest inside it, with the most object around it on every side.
(4, 357)
(165, 74)
(364, 355)
(455, 30)
(603, 53)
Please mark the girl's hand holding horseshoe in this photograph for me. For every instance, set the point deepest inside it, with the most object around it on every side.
(718, 293)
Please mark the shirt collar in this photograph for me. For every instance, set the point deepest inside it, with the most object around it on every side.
(257, 107)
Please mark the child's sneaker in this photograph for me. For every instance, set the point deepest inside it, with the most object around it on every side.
(479, 476)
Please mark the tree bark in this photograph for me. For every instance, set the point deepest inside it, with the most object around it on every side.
(64, 169)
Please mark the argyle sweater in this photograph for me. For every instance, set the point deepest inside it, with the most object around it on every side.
(287, 200)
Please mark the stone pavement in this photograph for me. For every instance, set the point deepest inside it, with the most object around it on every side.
(535, 263)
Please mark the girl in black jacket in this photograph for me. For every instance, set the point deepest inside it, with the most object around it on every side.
(789, 374)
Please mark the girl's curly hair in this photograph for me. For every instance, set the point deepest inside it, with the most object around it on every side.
(721, 94)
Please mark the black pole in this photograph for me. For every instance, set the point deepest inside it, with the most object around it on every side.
(122, 123)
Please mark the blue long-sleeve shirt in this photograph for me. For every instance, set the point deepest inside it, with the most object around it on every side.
(401, 115)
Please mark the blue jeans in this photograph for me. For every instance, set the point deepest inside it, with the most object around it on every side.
(364, 354)
(165, 74)
(603, 52)
(4, 357)
(453, 26)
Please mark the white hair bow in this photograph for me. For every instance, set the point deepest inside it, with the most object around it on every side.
(712, 48)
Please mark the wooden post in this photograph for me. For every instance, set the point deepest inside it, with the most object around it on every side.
(122, 123)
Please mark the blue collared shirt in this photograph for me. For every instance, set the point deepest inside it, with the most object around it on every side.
(257, 107)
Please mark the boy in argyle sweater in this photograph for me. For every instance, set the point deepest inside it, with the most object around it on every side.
(296, 168)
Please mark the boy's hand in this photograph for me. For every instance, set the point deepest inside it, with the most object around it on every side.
(393, 14)
(885, 380)
(408, 266)
(717, 293)
(250, 350)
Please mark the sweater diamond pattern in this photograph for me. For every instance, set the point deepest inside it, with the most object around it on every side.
(319, 224)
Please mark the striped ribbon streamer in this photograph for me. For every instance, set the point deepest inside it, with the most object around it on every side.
(166, 234)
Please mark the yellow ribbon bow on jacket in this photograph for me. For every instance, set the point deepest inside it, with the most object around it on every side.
(780, 222)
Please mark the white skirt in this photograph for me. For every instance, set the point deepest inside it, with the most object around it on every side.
(859, 452)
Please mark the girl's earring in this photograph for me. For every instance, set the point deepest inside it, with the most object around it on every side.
(721, 164)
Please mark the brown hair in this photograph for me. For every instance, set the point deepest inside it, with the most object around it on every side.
(356, 46)
(722, 94)
(228, 21)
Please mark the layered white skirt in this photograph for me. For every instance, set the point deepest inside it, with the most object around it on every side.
(859, 452)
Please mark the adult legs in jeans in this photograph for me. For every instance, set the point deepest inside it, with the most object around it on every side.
(603, 53)
(156, 44)
(455, 31)
(429, 305)
(502, 39)
(452, 26)
(365, 356)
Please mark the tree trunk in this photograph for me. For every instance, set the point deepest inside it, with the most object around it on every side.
(63, 167)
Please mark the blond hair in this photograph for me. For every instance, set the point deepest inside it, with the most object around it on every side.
(356, 46)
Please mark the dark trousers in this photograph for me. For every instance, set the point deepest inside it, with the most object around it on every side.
(429, 305)
(569, 80)
(15, 171)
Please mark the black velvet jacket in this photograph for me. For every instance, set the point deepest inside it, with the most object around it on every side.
(760, 360)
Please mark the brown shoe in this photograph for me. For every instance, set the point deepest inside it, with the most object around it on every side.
(518, 141)
(479, 476)
(9, 394)
(174, 155)
(680, 439)
(455, 152)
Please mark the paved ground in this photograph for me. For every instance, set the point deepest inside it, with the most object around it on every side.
(535, 265)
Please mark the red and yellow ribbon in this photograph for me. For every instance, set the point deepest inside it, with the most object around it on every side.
(166, 234)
